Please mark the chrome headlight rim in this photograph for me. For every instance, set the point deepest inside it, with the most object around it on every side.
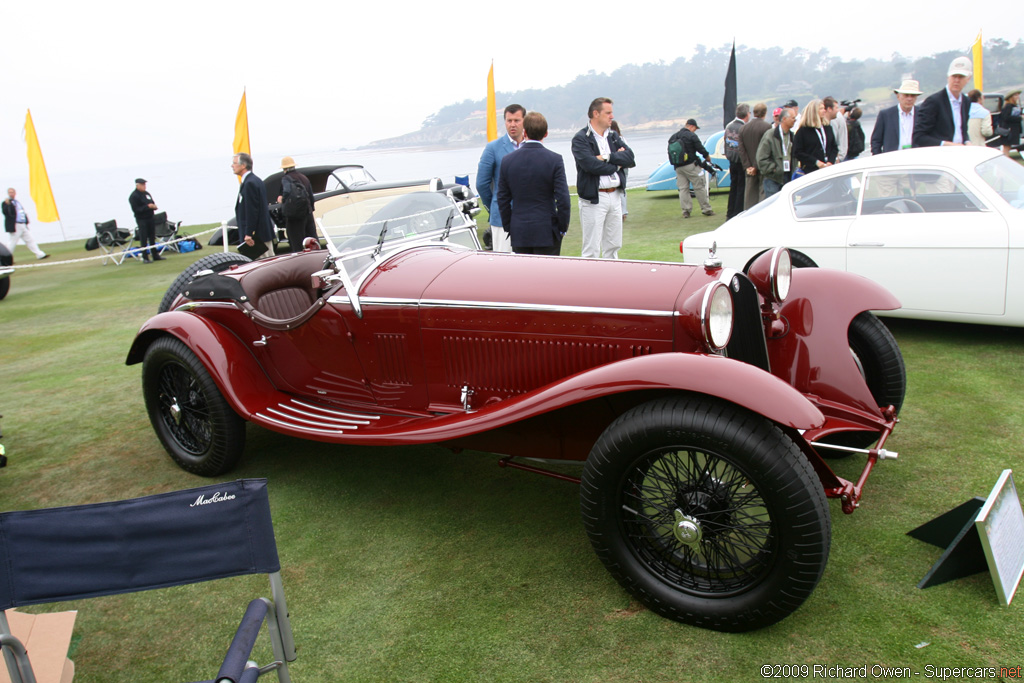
(781, 273)
(716, 316)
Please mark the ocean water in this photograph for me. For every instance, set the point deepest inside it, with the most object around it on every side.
(204, 191)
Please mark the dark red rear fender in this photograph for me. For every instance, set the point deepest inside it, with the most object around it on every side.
(229, 361)
(814, 355)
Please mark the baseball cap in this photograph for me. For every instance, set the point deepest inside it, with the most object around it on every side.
(961, 66)
(692, 122)
(139, 181)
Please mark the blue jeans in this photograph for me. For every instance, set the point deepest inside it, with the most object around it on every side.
(770, 187)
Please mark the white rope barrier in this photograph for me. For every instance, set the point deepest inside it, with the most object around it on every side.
(223, 227)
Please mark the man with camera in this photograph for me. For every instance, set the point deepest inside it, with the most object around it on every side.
(689, 168)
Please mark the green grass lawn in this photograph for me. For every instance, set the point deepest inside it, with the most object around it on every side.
(417, 564)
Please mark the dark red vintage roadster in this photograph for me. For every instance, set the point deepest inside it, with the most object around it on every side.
(702, 402)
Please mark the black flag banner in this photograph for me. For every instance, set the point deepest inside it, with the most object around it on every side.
(729, 102)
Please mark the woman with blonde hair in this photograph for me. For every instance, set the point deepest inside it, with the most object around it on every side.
(814, 145)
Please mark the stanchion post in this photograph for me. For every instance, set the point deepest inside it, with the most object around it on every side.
(224, 234)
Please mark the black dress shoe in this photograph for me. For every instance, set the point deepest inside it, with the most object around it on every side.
(157, 257)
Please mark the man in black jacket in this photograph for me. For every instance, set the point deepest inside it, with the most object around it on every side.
(600, 156)
(298, 222)
(252, 212)
(942, 117)
(688, 172)
(143, 207)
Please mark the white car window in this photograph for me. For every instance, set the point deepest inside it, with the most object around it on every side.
(917, 191)
(1006, 177)
(831, 198)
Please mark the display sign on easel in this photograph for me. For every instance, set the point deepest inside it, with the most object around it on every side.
(1000, 525)
(983, 532)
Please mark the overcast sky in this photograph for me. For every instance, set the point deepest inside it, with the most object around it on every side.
(118, 83)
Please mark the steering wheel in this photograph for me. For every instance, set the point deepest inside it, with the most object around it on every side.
(903, 206)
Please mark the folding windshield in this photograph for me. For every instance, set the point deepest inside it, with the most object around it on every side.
(348, 177)
(1006, 177)
(364, 231)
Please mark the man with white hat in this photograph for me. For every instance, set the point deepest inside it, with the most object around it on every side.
(894, 128)
(942, 118)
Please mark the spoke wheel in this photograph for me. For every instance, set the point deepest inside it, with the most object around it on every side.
(195, 424)
(706, 513)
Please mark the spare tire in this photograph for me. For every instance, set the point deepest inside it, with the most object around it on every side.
(218, 263)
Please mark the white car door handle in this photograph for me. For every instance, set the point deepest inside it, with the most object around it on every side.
(867, 244)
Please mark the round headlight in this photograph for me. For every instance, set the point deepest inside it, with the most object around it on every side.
(772, 274)
(716, 316)
(782, 272)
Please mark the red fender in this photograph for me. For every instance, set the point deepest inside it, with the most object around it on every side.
(814, 354)
(229, 361)
(731, 380)
(248, 390)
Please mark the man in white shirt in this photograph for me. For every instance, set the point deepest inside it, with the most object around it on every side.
(894, 127)
(834, 112)
(942, 118)
(600, 156)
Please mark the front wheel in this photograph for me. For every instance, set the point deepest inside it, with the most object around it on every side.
(193, 421)
(707, 513)
(880, 362)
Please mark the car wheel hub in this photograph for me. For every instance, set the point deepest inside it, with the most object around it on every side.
(175, 411)
(687, 530)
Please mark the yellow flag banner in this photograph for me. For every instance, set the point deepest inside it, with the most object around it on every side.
(38, 179)
(979, 81)
(241, 143)
(492, 109)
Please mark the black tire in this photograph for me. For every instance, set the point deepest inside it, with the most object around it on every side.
(759, 523)
(6, 259)
(878, 356)
(218, 262)
(194, 423)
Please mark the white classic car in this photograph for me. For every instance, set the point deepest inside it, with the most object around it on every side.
(942, 228)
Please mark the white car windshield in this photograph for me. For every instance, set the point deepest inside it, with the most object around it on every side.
(348, 177)
(1006, 177)
(382, 223)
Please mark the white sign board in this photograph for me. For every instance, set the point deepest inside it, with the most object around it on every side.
(1000, 525)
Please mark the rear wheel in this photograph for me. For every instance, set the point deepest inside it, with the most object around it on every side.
(218, 263)
(707, 513)
(199, 429)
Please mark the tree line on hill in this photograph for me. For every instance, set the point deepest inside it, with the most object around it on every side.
(662, 93)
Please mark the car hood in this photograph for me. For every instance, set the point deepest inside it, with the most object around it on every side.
(487, 278)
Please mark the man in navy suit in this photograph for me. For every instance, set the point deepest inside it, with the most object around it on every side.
(533, 197)
(489, 168)
(942, 118)
(894, 128)
(252, 212)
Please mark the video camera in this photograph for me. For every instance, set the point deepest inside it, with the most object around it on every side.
(706, 165)
(850, 104)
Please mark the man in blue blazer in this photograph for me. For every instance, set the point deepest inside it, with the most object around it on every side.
(894, 127)
(487, 173)
(252, 212)
(942, 118)
(533, 197)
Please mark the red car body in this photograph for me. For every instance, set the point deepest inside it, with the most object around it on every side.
(535, 357)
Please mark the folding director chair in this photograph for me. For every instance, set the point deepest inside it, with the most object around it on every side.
(166, 232)
(115, 242)
(170, 539)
